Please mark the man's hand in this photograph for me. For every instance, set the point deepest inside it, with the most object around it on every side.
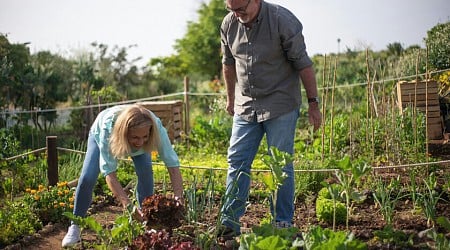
(230, 107)
(314, 115)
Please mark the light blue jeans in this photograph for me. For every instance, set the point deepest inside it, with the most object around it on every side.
(91, 170)
(244, 143)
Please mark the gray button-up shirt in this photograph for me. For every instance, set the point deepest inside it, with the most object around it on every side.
(268, 58)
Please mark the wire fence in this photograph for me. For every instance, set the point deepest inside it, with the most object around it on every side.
(54, 162)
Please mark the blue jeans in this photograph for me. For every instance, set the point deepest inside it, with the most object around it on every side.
(91, 170)
(244, 143)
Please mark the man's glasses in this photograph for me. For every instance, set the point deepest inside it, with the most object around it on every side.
(241, 10)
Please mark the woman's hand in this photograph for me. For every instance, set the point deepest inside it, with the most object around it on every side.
(135, 212)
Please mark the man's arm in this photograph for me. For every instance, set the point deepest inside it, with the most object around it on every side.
(229, 76)
(309, 82)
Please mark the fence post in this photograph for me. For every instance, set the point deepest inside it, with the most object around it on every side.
(52, 161)
(186, 103)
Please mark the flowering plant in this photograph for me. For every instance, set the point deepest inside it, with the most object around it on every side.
(49, 203)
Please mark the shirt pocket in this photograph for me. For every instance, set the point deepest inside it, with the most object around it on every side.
(267, 51)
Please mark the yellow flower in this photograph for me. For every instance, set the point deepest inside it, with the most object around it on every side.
(71, 199)
(62, 184)
(71, 206)
(36, 197)
(62, 204)
(154, 155)
(28, 190)
(33, 191)
(41, 187)
(55, 206)
(66, 191)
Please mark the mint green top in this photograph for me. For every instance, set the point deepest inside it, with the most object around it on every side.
(101, 130)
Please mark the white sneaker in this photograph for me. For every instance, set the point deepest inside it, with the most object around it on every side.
(72, 237)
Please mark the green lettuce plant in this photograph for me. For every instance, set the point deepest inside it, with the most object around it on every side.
(318, 238)
(266, 236)
(328, 208)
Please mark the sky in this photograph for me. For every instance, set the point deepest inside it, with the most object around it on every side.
(152, 27)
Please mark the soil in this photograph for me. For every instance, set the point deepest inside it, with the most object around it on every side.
(365, 218)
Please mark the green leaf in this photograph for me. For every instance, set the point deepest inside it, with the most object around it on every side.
(268, 180)
(272, 242)
(444, 222)
(94, 225)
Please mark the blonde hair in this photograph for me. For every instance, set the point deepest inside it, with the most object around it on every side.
(133, 116)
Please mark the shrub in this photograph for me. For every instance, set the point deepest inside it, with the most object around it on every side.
(17, 220)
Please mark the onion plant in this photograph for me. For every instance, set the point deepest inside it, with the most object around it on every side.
(387, 196)
(429, 199)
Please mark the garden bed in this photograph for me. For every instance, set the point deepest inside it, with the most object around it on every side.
(365, 222)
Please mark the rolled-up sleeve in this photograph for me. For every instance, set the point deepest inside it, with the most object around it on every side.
(101, 132)
(294, 42)
(227, 56)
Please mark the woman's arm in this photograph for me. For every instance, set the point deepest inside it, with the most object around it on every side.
(119, 193)
(177, 181)
(117, 189)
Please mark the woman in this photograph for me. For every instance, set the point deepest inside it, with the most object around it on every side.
(121, 131)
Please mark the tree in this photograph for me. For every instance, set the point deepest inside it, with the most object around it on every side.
(395, 49)
(200, 47)
(438, 44)
(14, 63)
(114, 68)
(49, 83)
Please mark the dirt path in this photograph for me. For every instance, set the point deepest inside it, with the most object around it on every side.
(51, 236)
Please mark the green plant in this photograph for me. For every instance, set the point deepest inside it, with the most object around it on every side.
(215, 127)
(16, 173)
(441, 242)
(328, 208)
(318, 238)
(396, 237)
(124, 230)
(49, 203)
(413, 188)
(199, 195)
(70, 164)
(17, 220)
(429, 199)
(387, 196)
(349, 175)
(266, 236)
(276, 160)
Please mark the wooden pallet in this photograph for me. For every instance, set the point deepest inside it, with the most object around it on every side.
(171, 115)
(424, 97)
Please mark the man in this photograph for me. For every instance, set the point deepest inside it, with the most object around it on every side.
(264, 58)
